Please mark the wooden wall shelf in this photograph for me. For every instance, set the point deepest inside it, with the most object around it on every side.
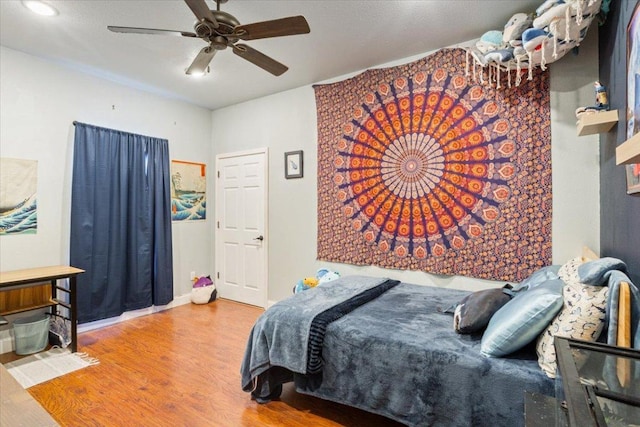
(602, 121)
(629, 151)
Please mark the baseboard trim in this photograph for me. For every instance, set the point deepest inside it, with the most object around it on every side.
(90, 326)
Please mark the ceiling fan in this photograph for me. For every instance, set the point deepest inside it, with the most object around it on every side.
(221, 30)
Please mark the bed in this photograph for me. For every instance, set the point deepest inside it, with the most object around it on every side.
(387, 348)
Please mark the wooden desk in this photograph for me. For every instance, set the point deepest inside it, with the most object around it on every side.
(35, 276)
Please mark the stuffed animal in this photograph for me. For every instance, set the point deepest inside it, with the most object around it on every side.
(204, 291)
(533, 40)
(323, 275)
(312, 282)
(515, 26)
(491, 40)
(300, 286)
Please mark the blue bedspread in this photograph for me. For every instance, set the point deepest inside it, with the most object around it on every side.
(398, 356)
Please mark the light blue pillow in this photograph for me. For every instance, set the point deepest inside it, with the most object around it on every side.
(538, 277)
(522, 319)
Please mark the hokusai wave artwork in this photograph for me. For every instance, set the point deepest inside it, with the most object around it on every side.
(18, 189)
(188, 191)
(421, 168)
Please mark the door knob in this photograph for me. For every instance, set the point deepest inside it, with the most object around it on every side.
(259, 238)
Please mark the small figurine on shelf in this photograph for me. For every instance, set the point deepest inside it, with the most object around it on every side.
(602, 102)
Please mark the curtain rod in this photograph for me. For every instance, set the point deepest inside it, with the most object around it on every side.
(75, 123)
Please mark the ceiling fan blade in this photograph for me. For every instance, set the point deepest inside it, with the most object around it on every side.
(278, 27)
(200, 64)
(202, 12)
(150, 31)
(259, 59)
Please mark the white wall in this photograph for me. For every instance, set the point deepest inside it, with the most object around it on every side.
(39, 102)
(575, 160)
(287, 121)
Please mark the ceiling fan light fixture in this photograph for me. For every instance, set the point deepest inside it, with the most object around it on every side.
(40, 8)
(198, 73)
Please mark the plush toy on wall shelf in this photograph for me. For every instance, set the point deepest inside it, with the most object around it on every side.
(323, 275)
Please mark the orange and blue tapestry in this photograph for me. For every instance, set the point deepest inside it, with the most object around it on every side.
(423, 167)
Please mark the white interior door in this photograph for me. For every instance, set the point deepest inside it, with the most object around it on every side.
(241, 226)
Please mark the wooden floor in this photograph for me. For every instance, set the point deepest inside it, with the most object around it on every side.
(180, 367)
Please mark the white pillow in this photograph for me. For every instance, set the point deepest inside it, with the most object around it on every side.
(582, 315)
(568, 272)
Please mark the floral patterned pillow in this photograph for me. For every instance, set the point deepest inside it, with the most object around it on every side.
(582, 315)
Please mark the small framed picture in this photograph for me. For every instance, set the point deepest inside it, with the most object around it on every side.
(293, 164)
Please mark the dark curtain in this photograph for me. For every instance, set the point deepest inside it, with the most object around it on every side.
(120, 222)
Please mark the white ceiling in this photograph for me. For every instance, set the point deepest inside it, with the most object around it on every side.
(346, 36)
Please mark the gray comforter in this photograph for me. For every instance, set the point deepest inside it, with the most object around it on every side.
(397, 356)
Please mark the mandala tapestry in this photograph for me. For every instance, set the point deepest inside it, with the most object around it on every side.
(421, 167)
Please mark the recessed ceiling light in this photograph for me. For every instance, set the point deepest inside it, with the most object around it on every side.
(40, 8)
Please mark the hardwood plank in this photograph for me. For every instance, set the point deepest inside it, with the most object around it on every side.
(180, 367)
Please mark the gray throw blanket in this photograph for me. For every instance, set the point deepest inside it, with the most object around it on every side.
(611, 272)
(280, 336)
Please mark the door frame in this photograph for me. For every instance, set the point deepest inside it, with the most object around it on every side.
(218, 214)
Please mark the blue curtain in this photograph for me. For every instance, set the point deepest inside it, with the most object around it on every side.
(120, 222)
